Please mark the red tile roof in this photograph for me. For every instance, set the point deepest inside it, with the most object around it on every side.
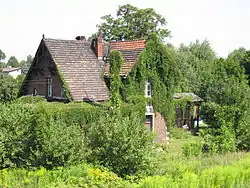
(130, 51)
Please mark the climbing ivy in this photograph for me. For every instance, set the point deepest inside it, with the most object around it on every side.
(64, 85)
(116, 61)
(156, 64)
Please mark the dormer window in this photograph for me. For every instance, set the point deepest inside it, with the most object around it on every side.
(148, 91)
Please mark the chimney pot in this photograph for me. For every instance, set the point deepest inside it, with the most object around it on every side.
(81, 38)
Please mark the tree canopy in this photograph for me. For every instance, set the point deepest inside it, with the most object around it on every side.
(13, 62)
(25, 64)
(2, 55)
(242, 56)
(133, 23)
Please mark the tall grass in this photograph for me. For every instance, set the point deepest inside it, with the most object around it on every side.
(235, 175)
(231, 170)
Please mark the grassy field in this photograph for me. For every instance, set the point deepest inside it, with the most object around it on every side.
(173, 170)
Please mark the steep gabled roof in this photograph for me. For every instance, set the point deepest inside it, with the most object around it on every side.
(80, 68)
(130, 51)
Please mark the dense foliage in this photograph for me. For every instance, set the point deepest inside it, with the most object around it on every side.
(132, 23)
(156, 65)
(55, 134)
(123, 145)
(116, 61)
(222, 83)
(9, 88)
(52, 144)
(219, 171)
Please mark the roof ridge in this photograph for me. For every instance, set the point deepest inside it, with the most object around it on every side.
(68, 40)
(132, 40)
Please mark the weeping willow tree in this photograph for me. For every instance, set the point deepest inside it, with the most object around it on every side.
(157, 65)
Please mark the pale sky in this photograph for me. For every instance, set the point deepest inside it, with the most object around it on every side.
(225, 23)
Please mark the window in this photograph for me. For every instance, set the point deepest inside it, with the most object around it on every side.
(49, 85)
(34, 92)
(63, 92)
(149, 122)
(148, 92)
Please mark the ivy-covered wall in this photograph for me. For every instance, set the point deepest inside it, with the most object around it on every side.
(155, 63)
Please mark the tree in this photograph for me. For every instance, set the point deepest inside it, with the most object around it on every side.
(13, 62)
(227, 108)
(242, 56)
(133, 23)
(195, 62)
(25, 65)
(124, 145)
(8, 88)
(2, 55)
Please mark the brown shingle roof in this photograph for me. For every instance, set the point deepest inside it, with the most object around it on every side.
(130, 51)
(80, 68)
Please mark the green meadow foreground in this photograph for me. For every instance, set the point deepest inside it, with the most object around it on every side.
(174, 170)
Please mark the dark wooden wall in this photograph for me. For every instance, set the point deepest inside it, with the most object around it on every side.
(41, 69)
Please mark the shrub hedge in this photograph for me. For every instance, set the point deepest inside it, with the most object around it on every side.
(57, 134)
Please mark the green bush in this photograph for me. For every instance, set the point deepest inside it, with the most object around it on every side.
(179, 133)
(44, 134)
(75, 176)
(223, 122)
(30, 99)
(31, 138)
(56, 134)
(220, 140)
(15, 124)
(192, 149)
(124, 145)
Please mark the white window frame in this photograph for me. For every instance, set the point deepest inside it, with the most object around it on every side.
(49, 87)
(148, 89)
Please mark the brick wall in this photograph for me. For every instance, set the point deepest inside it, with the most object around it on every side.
(160, 128)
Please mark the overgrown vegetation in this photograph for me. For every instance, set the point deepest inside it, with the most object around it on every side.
(156, 65)
(55, 134)
(107, 145)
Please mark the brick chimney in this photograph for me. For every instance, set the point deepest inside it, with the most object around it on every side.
(97, 46)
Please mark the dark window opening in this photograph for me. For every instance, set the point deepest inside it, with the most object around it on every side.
(34, 92)
(149, 122)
